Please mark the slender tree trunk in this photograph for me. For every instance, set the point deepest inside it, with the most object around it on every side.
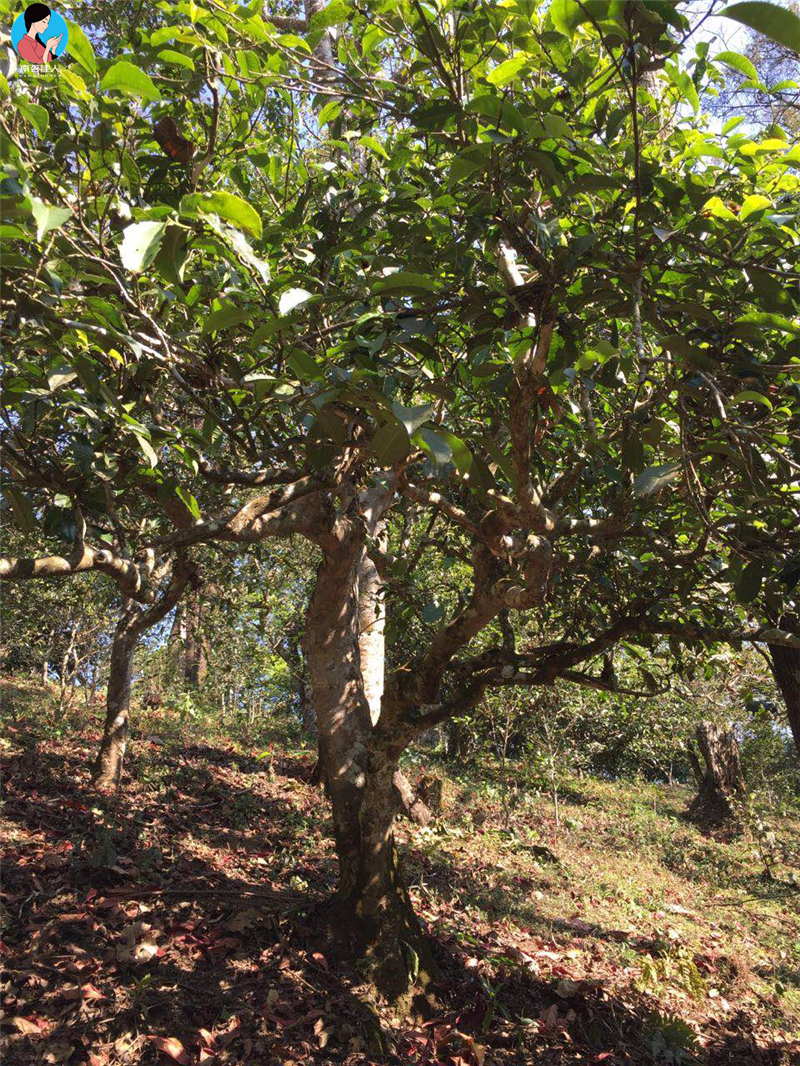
(195, 658)
(786, 668)
(107, 767)
(457, 742)
(186, 645)
(176, 637)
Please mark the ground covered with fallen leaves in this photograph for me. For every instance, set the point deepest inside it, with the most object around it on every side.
(168, 922)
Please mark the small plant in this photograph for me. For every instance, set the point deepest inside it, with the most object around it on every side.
(675, 969)
(671, 1040)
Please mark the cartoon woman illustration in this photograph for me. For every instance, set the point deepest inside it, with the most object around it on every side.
(34, 45)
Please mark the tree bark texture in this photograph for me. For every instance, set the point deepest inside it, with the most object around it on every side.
(371, 917)
(186, 642)
(723, 780)
(786, 668)
(107, 767)
(134, 620)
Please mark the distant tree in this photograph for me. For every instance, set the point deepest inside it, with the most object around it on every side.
(761, 83)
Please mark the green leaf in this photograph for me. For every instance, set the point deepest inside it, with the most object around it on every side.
(237, 242)
(557, 126)
(778, 23)
(186, 497)
(147, 448)
(291, 299)
(225, 318)
(35, 114)
(769, 320)
(329, 113)
(753, 204)
(334, 13)
(507, 71)
(391, 443)
(462, 456)
(748, 584)
(732, 123)
(178, 59)
(717, 209)
(62, 375)
(435, 445)
(654, 478)
(226, 206)
(124, 77)
(738, 62)
(21, 509)
(404, 281)
(772, 293)
(48, 217)
(749, 396)
(140, 245)
(503, 113)
(567, 16)
(413, 417)
(374, 145)
(80, 47)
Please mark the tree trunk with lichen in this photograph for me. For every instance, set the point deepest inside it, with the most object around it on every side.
(370, 919)
(723, 781)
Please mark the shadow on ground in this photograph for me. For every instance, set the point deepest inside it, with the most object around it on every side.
(170, 922)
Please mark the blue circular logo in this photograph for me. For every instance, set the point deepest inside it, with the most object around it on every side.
(46, 26)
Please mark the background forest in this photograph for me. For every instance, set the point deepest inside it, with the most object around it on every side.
(401, 534)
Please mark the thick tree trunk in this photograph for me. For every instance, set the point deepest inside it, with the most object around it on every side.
(723, 780)
(343, 717)
(372, 657)
(371, 917)
(107, 767)
(786, 668)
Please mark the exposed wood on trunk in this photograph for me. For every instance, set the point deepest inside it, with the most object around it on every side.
(372, 632)
(372, 655)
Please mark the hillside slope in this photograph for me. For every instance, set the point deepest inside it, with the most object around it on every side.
(168, 922)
